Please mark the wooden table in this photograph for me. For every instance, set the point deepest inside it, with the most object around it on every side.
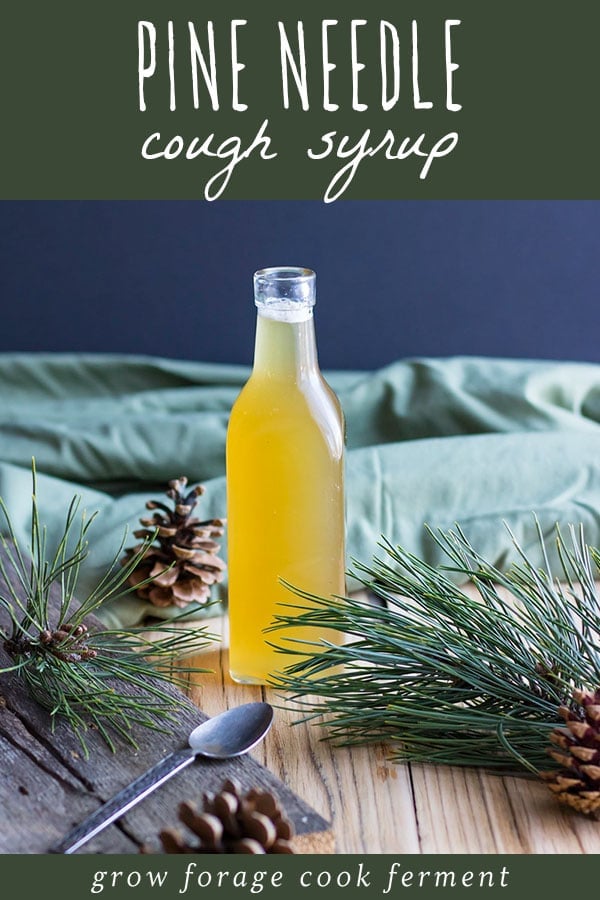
(376, 806)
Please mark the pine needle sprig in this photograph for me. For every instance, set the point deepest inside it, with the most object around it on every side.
(108, 679)
(445, 675)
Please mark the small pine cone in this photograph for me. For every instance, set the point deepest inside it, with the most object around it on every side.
(577, 750)
(68, 642)
(231, 823)
(181, 564)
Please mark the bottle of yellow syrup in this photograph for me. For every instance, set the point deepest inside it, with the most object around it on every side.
(285, 479)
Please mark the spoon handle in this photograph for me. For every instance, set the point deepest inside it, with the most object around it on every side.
(125, 800)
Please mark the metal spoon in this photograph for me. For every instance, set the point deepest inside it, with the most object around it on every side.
(229, 734)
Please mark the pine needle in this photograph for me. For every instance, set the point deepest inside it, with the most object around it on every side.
(445, 676)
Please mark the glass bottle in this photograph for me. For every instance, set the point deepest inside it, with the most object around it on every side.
(285, 482)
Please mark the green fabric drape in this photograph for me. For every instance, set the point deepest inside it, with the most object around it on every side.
(470, 440)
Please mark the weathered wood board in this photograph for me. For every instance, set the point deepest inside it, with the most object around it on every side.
(47, 785)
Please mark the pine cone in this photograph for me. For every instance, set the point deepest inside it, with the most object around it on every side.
(577, 783)
(232, 823)
(182, 561)
(68, 642)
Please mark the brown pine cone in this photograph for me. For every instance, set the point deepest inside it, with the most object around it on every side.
(182, 561)
(577, 782)
(231, 823)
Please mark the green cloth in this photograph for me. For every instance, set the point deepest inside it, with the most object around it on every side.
(469, 440)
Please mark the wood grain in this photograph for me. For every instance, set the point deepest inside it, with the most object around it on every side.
(377, 806)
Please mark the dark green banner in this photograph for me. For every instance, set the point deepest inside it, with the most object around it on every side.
(340, 99)
(226, 877)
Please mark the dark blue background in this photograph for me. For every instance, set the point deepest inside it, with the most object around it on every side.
(395, 279)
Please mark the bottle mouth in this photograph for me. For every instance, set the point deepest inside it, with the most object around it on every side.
(286, 293)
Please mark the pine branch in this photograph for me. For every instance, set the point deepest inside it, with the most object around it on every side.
(82, 675)
(445, 676)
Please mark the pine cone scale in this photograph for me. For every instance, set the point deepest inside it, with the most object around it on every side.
(208, 577)
(163, 575)
(593, 712)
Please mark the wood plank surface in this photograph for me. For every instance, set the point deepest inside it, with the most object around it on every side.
(48, 786)
(374, 805)
(377, 806)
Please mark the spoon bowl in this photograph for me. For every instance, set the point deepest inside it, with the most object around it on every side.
(233, 733)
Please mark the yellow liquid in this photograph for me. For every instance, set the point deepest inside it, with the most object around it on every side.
(285, 496)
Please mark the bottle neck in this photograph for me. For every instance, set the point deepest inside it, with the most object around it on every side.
(285, 348)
